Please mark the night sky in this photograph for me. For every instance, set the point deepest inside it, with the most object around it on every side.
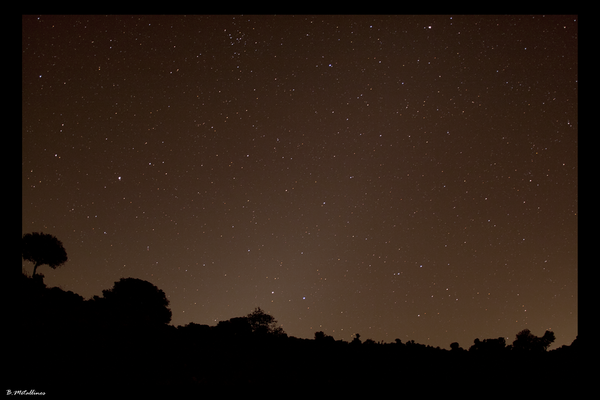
(410, 177)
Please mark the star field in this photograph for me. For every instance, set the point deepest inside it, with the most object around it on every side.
(409, 177)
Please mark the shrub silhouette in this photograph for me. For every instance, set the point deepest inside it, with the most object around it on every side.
(321, 337)
(263, 324)
(135, 302)
(489, 346)
(526, 342)
(238, 328)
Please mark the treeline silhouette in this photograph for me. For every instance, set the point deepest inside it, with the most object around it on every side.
(121, 344)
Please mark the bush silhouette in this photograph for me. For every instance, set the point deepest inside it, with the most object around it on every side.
(489, 346)
(238, 328)
(263, 324)
(135, 302)
(526, 342)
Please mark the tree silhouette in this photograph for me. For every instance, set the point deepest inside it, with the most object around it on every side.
(454, 346)
(238, 327)
(135, 302)
(43, 249)
(263, 323)
(525, 341)
(546, 340)
(321, 337)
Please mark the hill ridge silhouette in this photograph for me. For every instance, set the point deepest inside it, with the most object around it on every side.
(65, 345)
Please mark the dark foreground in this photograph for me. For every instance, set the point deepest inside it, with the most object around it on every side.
(73, 353)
